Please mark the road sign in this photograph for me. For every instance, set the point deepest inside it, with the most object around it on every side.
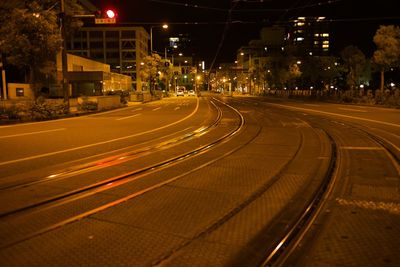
(105, 21)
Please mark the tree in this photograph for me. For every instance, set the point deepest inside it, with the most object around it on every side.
(277, 70)
(30, 39)
(293, 74)
(387, 40)
(354, 61)
(149, 71)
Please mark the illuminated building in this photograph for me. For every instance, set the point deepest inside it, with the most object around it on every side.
(311, 36)
(122, 47)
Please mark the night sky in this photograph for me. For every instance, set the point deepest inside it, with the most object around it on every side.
(354, 22)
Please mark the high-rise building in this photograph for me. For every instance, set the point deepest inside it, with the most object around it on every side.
(311, 36)
(122, 47)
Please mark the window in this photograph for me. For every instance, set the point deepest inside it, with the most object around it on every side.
(112, 44)
(96, 35)
(112, 35)
(112, 55)
(80, 45)
(96, 44)
(20, 91)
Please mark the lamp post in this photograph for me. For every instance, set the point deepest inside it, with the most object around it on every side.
(64, 64)
(164, 26)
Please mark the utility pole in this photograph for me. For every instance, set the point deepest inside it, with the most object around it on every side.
(64, 65)
(3, 77)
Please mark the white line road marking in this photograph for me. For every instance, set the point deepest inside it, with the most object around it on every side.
(31, 133)
(352, 109)
(336, 114)
(103, 142)
(136, 109)
(177, 108)
(156, 108)
(128, 117)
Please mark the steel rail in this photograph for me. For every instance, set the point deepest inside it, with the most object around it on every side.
(297, 232)
(283, 248)
(120, 158)
(128, 177)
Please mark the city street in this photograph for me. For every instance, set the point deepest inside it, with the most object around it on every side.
(204, 181)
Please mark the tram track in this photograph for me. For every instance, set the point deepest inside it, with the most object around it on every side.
(129, 176)
(292, 229)
(320, 143)
(295, 234)
(121, 157)
(111, 183)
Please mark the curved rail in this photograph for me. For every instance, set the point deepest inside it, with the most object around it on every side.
(120, 158)
(120, 180)
(297, 231)
(284, 247)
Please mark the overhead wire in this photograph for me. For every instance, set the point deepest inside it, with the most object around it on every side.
(259, 10)
(226, 28)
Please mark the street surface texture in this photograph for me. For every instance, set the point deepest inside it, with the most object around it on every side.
(204, 181)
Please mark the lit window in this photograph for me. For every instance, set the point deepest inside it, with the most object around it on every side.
(300, 39)
(20, 91)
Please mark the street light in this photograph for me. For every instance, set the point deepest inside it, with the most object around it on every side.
(64, 64)
(164, 26)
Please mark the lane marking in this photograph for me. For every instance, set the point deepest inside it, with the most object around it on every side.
(128, 117)
(136, 109)
(390, 207)
(352, 109)
(156, 108)
(176, 108)
(31, 133)
(336, 114)
(103, 142)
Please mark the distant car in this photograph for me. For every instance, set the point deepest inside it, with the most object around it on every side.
(191, 93)
(180, 92)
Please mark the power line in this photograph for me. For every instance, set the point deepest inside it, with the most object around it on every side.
(258, 10)
(189, 5)
(221, 42)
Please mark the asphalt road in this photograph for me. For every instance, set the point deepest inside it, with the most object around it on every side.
(209, 181)
(38, 146)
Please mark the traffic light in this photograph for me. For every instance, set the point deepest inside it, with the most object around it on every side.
(110, 13)
(107, 16)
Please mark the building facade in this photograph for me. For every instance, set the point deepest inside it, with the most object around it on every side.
(311, 36)
(121, 47)
(88, 77)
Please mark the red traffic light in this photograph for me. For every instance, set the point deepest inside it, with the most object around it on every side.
(110, 14)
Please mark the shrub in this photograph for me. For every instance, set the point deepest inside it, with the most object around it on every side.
(88, 105)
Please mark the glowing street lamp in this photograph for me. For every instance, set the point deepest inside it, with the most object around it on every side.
(164, 26)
